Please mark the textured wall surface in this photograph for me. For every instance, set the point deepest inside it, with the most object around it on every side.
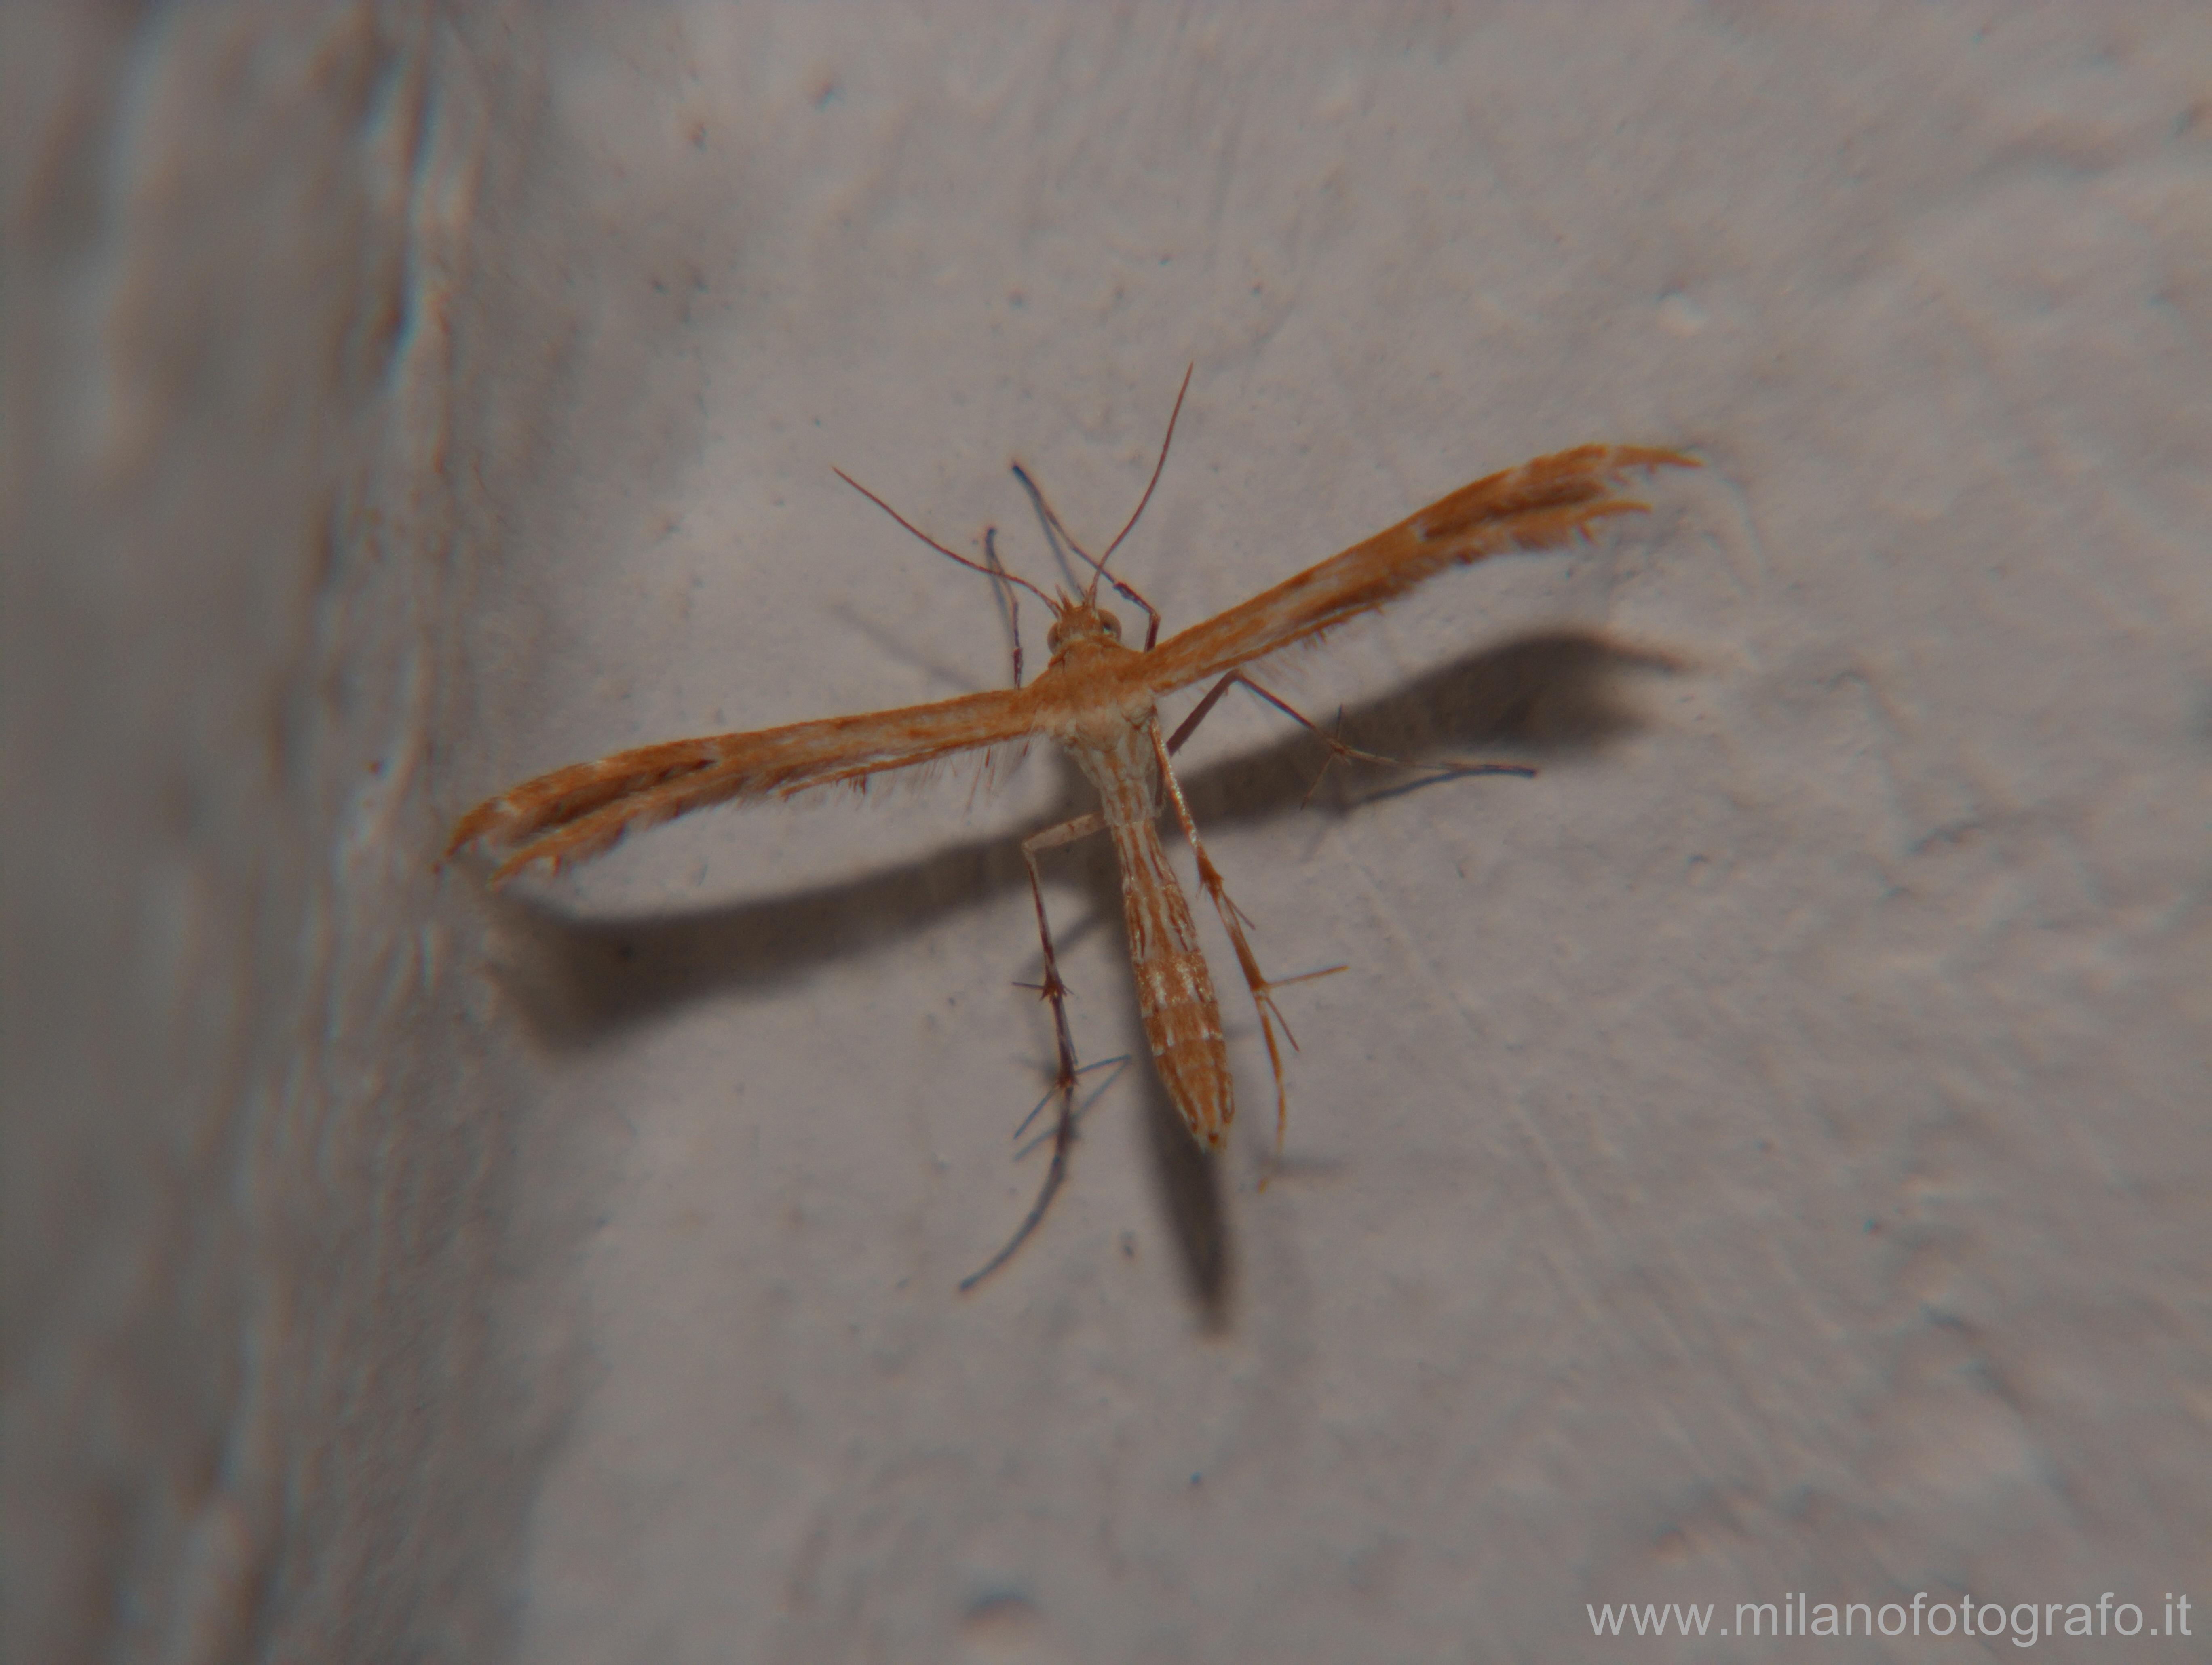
(261, 1315)
(1764, 1155)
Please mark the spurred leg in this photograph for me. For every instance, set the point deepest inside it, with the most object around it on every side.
(1337, 749)
(1232, 919)
(1063, 1086)
(1263, 996)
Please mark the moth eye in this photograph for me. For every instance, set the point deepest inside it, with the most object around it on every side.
(1113, 624)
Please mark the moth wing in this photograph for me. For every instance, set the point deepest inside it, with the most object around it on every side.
(1538, 504)
(584, 811)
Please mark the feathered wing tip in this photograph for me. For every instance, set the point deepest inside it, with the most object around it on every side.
(574, 813)
(1533, 505)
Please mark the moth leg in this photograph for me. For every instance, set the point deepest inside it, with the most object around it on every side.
(1209, 876)
(1063, 1086)
(1338, 751)
(1199, 713)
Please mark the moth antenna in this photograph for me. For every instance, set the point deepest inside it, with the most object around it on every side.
(994, 571)
(1157, 468)
(998, 573)
(1053, 528)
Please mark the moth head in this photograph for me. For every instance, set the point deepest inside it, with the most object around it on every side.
(1080, 621)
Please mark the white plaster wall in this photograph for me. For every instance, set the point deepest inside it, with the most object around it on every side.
(1766, 1152)
(264, 1320)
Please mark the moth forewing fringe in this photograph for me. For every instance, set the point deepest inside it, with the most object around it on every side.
(1097, 699)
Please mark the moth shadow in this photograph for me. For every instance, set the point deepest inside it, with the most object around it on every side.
(1192, 1188)
(578, 981)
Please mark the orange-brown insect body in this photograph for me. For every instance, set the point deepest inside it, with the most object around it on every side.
(1097, 697)
(1112, 742)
